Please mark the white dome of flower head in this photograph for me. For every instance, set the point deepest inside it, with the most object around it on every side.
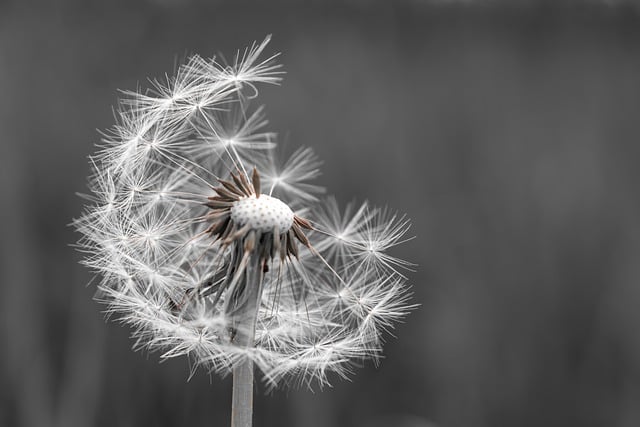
(210, 248)
(263, 213)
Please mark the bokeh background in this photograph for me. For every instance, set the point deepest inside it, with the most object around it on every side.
(507, 130)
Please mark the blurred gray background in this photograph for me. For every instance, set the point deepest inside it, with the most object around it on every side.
(507, 130)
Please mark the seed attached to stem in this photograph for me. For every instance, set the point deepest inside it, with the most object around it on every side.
(238, 276)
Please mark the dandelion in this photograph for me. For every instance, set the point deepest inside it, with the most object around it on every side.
(211, 249)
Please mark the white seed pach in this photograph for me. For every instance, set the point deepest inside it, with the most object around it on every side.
(263, 214)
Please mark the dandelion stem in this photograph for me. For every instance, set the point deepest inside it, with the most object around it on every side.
(245, 326)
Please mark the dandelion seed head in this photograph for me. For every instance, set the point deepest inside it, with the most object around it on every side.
(187, 187)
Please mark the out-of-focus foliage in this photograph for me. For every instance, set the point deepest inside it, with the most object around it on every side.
(507, 133)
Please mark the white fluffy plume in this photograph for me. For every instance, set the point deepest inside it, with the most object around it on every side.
(323, 307)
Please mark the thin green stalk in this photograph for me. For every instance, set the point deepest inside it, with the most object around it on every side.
(242, 400)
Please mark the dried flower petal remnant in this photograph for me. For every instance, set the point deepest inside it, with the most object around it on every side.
(185, 189)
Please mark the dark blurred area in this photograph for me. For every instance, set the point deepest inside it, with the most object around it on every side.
(507, 130)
